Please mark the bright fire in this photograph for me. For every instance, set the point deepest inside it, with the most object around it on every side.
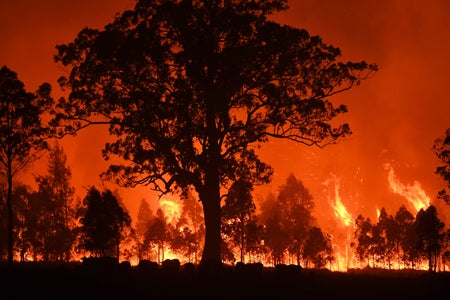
(340, 210)
(413, 193)
(342, 235)
(171, 209)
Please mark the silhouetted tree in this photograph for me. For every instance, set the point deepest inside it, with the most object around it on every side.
(57, 219)
(237, 211)
(3, 222)
(390, 236)
(144, 216)
(431, 235)
(317, 248)
(363, 236)
(276, 239)
(254, 245)
(192, 217)
(103, 223)
(405, 220)
(188, 86)
(441, 148)
(24, 232)
(158, 234)
(184, 241)
(22, 133)
(296, 204)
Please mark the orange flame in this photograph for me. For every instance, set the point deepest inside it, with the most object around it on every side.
(340, 210)
(171, 209)
(413, 193)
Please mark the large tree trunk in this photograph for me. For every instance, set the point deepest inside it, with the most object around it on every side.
(210, 195)
(210, 199)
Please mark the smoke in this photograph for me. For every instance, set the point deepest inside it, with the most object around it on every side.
(394, 116)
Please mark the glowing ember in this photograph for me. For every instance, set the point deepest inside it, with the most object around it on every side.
(413, 193)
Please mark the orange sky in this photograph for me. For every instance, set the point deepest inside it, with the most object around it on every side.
(395, 116)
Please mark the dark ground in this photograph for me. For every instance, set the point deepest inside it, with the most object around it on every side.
(78, 281)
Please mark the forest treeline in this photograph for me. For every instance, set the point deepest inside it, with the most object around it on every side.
(52, 225)
(188, 90)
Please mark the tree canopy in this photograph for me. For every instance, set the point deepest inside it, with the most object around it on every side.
(191, 88)
(103, 222)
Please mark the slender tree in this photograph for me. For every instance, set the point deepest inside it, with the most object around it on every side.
(190, 225)
(57, 214)
(189, 88)
(22, 133)
(441, 148)
(404, 222)
(23, 232)
(363, 236)
(158, 234)
(237, 212)
(296, 210)
(145, 215)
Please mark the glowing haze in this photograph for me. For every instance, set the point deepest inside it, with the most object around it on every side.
(395, 116)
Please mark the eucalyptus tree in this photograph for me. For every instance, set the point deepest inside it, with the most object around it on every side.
(56, 214)
(22, 133)
(431, 235)
(441, 148)
(103, 223)
(191, 88)
(238, 211)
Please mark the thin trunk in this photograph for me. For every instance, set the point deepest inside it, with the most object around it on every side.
(10, 211)
(242, 237)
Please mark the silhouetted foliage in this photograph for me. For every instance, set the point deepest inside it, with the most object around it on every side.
(296, 207)
(412, 239)
(236, 214)
(189, 88)
(158, 234)
(317, 248)
(103, 223)
(288, 219)
(363, 237)
(22, 133)
(431, 235)
(276, 239)
(24, 232)
(441, 148)
(406, 236)
(190, 227)
(56, 224)
(144, 217)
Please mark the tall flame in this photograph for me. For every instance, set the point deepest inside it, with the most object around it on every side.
(413, 193)
(339, 209)
(341, 235)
